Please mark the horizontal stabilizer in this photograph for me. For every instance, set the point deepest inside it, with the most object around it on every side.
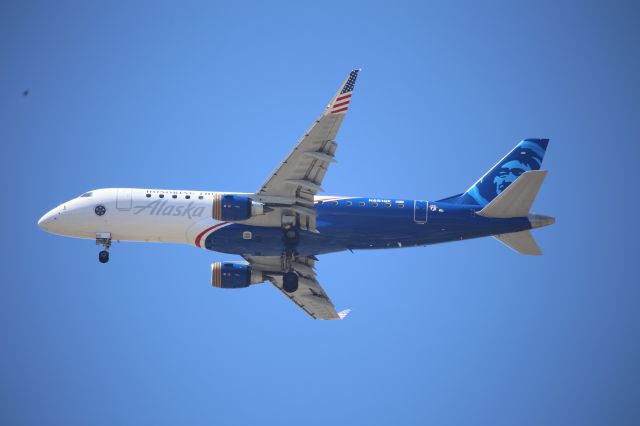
(516, 200)
(522, 242)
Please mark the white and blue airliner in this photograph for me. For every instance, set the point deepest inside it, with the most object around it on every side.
(282, 227)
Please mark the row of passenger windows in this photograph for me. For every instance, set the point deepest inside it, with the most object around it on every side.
(361, 204)
(335, 203)
(174, 196)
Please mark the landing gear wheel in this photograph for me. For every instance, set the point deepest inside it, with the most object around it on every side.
(291, 234)
(103, 256)
(103, 239)
(290, 282)
(290, 237)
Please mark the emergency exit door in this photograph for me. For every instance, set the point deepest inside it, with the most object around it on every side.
(123, 202)
(420, 211)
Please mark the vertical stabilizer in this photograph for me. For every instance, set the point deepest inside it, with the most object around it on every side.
(526, 156)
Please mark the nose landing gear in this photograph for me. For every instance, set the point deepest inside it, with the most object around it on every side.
(103, 239)
(103, 256)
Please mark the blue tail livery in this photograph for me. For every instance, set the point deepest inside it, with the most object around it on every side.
(526, 156)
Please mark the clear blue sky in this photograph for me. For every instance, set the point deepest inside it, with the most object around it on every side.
(212, 96)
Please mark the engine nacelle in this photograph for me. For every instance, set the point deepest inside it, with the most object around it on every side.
(233, 207)
(234, 275)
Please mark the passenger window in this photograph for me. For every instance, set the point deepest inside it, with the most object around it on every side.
(387, 204)
(349, 203)
(200, 197)
(319, 202)
(400, 206)
(174, 196)
(148, 195)
(335, 203)
(361, 203)
(161, 195)
(187, 196)
(374, 204)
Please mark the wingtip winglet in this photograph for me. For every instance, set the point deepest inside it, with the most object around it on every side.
(340, 102)
(343, 314)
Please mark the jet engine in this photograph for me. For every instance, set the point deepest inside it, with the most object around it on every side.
(233, 207)
(234, 275)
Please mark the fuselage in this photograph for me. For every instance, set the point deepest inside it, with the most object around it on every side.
(343, 223)
(280, 228)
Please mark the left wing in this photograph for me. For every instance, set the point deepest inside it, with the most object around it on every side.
(309, 296)
(292, 186)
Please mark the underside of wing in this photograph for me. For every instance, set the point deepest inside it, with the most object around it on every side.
(290, 190)
(309, 296)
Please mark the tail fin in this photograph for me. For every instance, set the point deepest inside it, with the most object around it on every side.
(526, 156)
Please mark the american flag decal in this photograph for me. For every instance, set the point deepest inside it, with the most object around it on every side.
(341, 104)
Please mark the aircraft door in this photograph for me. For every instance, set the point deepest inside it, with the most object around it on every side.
(123, 202)
(420, 211)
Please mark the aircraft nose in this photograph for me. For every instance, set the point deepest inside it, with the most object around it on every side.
(46, 222)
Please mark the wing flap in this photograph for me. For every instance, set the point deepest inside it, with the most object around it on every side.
(299, 177)
(310, 296)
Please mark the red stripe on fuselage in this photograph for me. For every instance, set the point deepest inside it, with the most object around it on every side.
(320, 200)
(211, 228)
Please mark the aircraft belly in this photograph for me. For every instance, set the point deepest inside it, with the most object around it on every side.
(364, 231)
(267, 241)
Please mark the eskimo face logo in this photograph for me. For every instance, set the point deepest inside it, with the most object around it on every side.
(160, 208)
(508, 173)
(528, 156)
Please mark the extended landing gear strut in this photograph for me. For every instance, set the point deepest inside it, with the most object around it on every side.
(103, 239)
(290, 238)
(289, 277)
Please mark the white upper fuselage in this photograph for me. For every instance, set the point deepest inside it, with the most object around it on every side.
(131, 214)
(152, 215)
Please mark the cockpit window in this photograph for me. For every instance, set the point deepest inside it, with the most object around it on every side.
(87, 194)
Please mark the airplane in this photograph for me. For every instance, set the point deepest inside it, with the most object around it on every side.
(281, 228)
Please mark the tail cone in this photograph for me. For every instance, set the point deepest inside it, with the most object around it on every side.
(540, 220)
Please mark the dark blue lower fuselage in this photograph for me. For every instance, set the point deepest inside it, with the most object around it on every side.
(364, 223)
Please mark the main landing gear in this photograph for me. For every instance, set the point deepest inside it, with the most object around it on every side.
(290, 282)
(290, 238)
(104, 239)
